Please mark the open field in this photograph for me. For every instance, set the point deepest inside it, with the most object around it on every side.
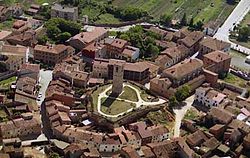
(205, 10)
(199, 9)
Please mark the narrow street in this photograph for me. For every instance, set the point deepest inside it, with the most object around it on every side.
(180, 113)
(46, 77)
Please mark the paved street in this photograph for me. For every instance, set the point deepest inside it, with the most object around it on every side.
(180, 113)
(235, 18)
(46, 77)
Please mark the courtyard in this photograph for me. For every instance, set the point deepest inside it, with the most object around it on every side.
(132, 97)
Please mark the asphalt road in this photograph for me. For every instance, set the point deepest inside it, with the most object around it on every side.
(234, 18)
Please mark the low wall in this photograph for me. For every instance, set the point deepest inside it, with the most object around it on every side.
(118, 24)
(4, 76)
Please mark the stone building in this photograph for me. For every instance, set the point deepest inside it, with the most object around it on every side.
(68, 13)
(217, 62)
(52, 54)
(118, 71)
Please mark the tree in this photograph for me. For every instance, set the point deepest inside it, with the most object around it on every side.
(53, 31)
(183, 21)
(58, 28)
(191, 23)
(124, 37)
(199, 26)
(42, 39)
(244, 33)
(62, 37)
(182, 93)
(173, 101)
(166, 19)
(152, 50)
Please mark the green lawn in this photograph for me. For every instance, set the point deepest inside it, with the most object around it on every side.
(129, 94)
(114, 107)
(6, 83)
(96, 93)
(235, 80)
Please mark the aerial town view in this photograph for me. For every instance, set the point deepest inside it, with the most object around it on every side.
(124, 78)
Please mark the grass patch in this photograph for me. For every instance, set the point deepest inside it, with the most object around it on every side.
(162, 117)
(96, 93)
(191, 114)
(2, 113)
(129, 94)
(6, 83)
(107, 19)
(246, 20)
(235, 80)
(113, 107)
(92, 13)
(6, 25)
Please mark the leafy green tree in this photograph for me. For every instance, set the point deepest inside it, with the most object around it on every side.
(199, 25)
(183, 21)
(42, 39)
(191, 22)
(243, 34)
(149, 40)
(53, 31)
(58, 28)
(173, 101)
(124, 37)
(152, 50)
(182, 93)
(62, 37)
(166, 19)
